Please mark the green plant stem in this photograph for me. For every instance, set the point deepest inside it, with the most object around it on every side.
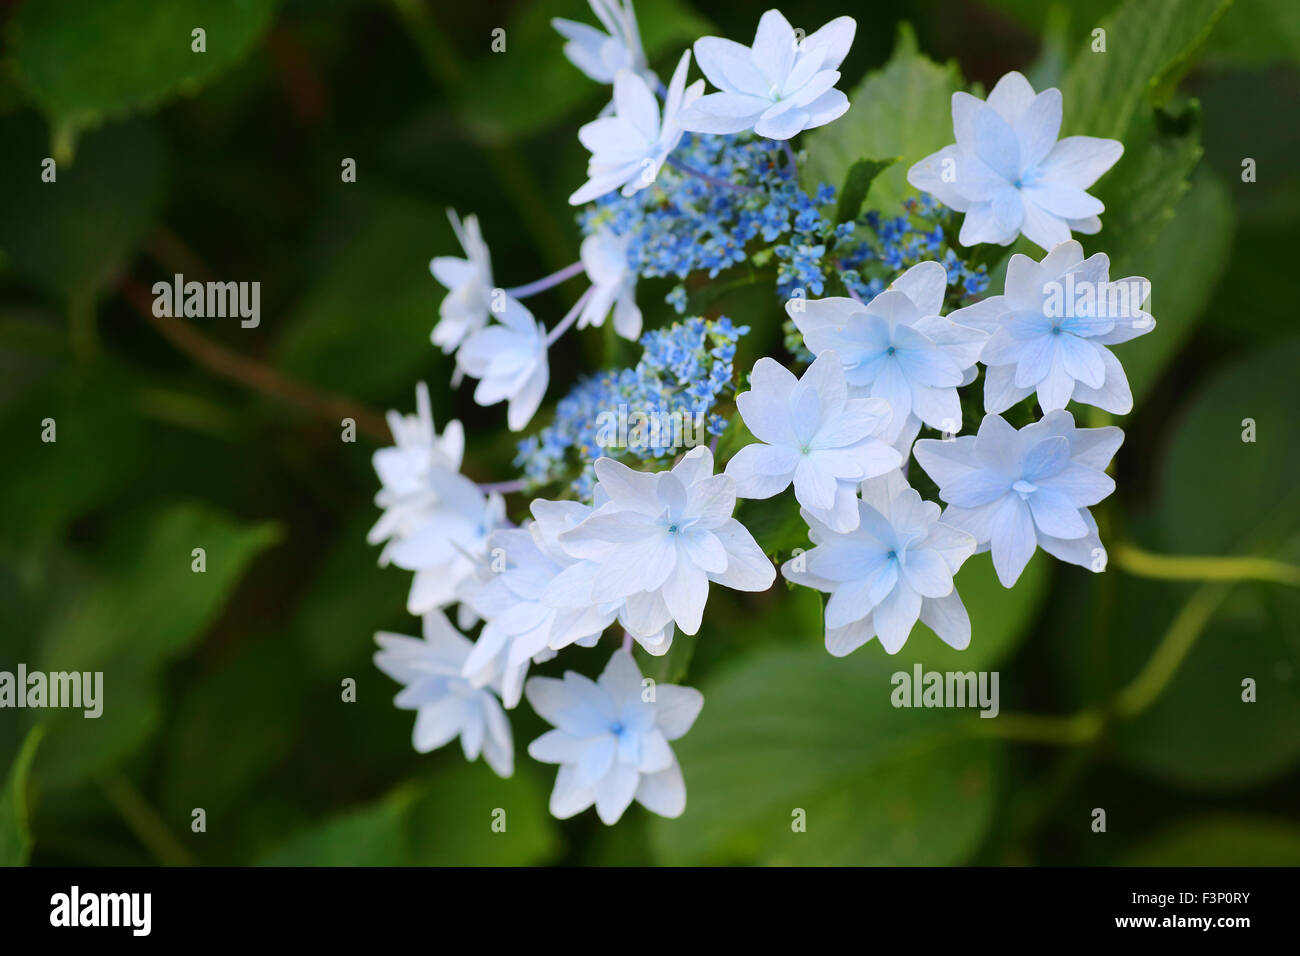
(145, 822)
(1167, 567)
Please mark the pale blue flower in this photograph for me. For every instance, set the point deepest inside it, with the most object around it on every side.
(628, 148)
(1008, 172)
(468, 303)
(1050, 330)
(611, 740)
(405, 470)
(896, 567)
(897, 347)
(447, 706)
(519, 627)
(780, 86)
(657, 543)
(1016, 491)
(613, 283)
(810, 432)
(509, 360)
(602, 55)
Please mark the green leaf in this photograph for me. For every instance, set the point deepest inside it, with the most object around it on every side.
(145, 612)
(74, 236)
(784, 730)
(366, 324)
(1200, 230)
(84, 61)
(856, 186)
(775, 523)
(1216, 490)
(1143, 189)
(446, 820)
(1150, 44)
(15, 832)
(1258, 32)
(500, 108)
(1220, 495)
(902, 110)
(1222, 840)
(98, 441)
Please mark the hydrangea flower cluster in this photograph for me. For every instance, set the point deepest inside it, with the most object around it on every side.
(689, 182)
(647, 412)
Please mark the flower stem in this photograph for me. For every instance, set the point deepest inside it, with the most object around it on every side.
(570, 317)
(546, 282)
(504, 487)
(1168, 567)
(711, 180)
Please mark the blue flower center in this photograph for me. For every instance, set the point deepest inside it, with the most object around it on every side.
(1056, 330)
(672, 529)
(891, 351)
(892, 556)
(616, 729)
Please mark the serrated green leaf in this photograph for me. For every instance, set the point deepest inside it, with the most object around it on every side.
(1150, 44)
(902, 110)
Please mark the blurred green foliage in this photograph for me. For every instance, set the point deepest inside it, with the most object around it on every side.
(223, 689)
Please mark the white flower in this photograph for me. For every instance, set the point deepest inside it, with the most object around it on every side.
(1019, 490)
(897, 347)
(446, 705)
(1050, 331)
(613, 283)
(519, 627)
(657, 542)
(465, 307)
(602, 55)
(778, 87)
(445, 551)
(1008, 172)
(810, 432)
(404, 470)
(896, 567)
(629, 148)
(510, 362)
(611, 740)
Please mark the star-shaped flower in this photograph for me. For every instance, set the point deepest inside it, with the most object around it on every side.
(1050, 330)
(629, 148)
(778, 87)
(519, 627)
(812, 434)
(446, 550)
(895, 567)
(1009, 173)
(466, 306)
(613, 283)
(897, 347)
(611, 740)
(509, 360)
(1016, 491)
(446, 705)
(602, 55)
(658, 541)
(404, 469)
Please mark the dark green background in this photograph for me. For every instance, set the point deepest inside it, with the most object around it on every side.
(223, 689)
